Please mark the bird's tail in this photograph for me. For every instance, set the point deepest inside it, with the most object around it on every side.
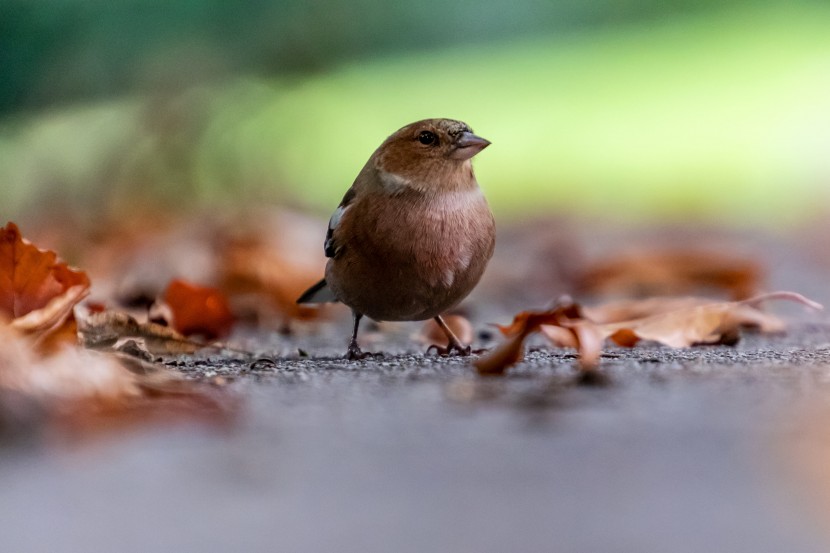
(319, 293)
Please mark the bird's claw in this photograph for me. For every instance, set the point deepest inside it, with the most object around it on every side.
(450, 349)
(354, 353)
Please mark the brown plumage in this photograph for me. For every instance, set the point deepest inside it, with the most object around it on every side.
(413, 234)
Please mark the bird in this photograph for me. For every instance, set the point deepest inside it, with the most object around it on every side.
(413, 234)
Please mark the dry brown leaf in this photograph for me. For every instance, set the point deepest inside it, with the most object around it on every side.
(103, 330)
(504, 356)
(86, 393)
(672, 272)
(30, 278)
(74, 374)
(266, 261)
(629, 309)
(37, 290)
(70, 374)
(87, 390)
(253, 269)
(702, 324)
(431, 333)
(530, 320)
(198, 310)
(689, 324)
(559, 336)
(589, 341)
(566, 316)
(52, 314)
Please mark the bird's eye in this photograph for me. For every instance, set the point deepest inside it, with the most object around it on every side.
(426, 138)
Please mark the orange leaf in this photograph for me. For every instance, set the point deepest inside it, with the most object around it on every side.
(38, 291)
(198, 309)
(530, 320)
(524, 324)
(29, 277)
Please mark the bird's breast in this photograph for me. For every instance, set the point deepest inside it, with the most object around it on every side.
(411, 258)
(439, 235)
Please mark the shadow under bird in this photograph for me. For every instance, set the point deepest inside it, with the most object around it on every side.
(413, 234)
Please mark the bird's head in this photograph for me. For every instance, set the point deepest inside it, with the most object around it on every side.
(433, 152)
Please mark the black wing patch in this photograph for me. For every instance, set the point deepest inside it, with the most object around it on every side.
(331, 247)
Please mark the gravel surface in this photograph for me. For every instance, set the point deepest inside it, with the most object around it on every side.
(678, 451)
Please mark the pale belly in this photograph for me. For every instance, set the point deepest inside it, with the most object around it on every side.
(415, 265)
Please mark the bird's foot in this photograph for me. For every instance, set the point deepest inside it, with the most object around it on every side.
(453, 348)
(354, 353)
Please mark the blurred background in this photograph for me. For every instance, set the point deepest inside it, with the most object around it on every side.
(122, 124)
(640, 110)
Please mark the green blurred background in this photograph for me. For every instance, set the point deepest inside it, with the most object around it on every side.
(628, 109)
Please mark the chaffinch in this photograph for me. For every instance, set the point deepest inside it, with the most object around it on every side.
(413, 234)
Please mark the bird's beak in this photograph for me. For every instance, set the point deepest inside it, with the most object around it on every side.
(468, 145)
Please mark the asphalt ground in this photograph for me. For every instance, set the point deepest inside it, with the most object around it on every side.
(714, 448)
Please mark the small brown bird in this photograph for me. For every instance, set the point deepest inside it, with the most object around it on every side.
(413, 234)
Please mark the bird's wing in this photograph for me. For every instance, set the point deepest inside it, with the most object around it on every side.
(319, 293)
(331, 246)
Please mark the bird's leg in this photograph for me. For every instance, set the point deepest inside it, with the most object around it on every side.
(354, 351)
(453, 344)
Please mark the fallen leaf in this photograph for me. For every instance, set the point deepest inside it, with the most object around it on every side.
(702, 324)
(70, 374)
(572, 329)
(651, 273)
(629, 309)
(589, 339)
(37, 290)
(254, 270)
(501, 358)
(565, 308)
(266, 262)
(74, 387)
(84, 393)
(198, 310)
(678, 323)
(431, 333)
(30, 278)
(104, 330)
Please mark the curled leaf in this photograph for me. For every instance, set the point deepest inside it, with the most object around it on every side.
(198, 309)
(504, 356)
(511, 351)
(30, 278)
(37, 290)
